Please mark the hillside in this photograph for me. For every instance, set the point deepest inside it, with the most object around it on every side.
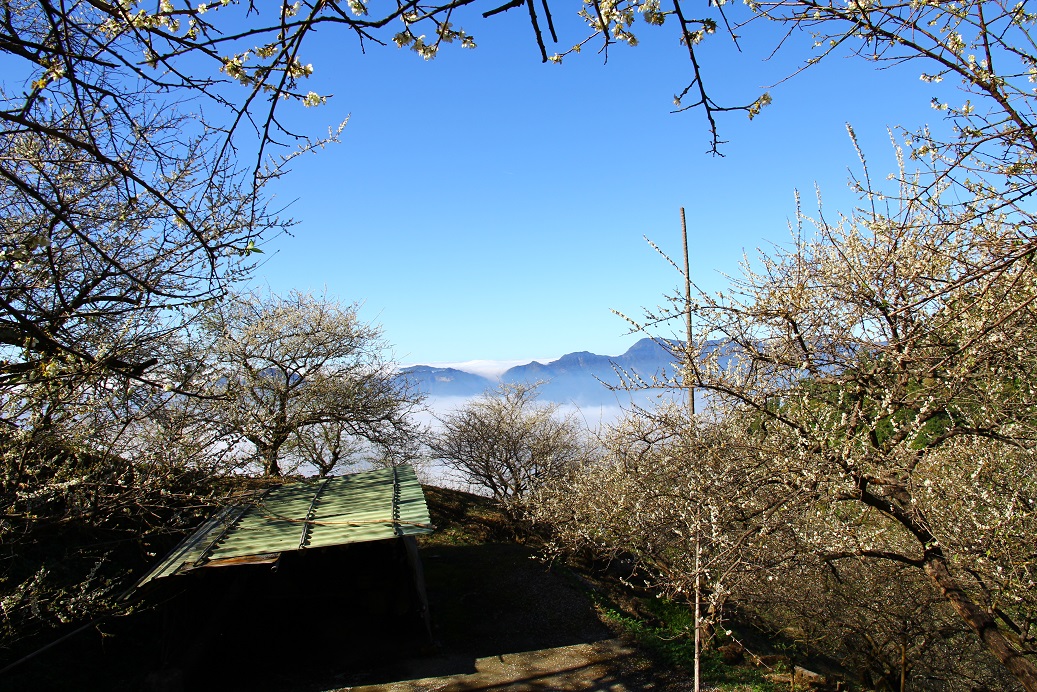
(506, 620)
(500, 618)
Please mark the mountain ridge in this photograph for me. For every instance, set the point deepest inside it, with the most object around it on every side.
(580, 378)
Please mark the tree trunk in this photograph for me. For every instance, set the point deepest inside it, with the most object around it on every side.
(934, 562)
(269, 456)
(979, 620)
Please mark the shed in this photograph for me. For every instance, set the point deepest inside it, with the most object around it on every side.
(369, 506)
(324, 557)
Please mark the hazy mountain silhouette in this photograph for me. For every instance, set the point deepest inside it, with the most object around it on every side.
(580, 378)
(435, 381)
(585, 378)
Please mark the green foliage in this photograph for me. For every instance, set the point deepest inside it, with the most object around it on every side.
(668, 635)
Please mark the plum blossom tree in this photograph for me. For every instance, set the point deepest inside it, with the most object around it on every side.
(98, 277)
(507, 443)
(696, 504)
(886, 361)
(280, 365)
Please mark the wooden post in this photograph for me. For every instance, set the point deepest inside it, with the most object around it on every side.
(903, 661)
(687, 314)
(698, 598)
(691, 410)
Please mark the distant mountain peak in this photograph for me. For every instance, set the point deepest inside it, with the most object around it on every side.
(588, 379)
(580, 378)
(439, 381)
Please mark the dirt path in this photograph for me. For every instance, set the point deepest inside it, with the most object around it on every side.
(602, 665)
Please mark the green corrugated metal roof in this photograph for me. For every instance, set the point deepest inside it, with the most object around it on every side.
(369, 506)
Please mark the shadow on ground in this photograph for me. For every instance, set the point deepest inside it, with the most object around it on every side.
(502, 617)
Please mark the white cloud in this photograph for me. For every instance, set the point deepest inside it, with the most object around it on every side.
(594, 417)
(491, 369)
(435, 407)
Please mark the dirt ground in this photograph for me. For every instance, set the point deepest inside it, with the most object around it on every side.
(503, 620)
(602, 665)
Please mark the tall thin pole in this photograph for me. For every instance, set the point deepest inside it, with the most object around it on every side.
(687, 314)
(698, 598)
(903, 662)
(691, 411)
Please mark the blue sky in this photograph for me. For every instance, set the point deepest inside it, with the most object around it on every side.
(486, 206)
